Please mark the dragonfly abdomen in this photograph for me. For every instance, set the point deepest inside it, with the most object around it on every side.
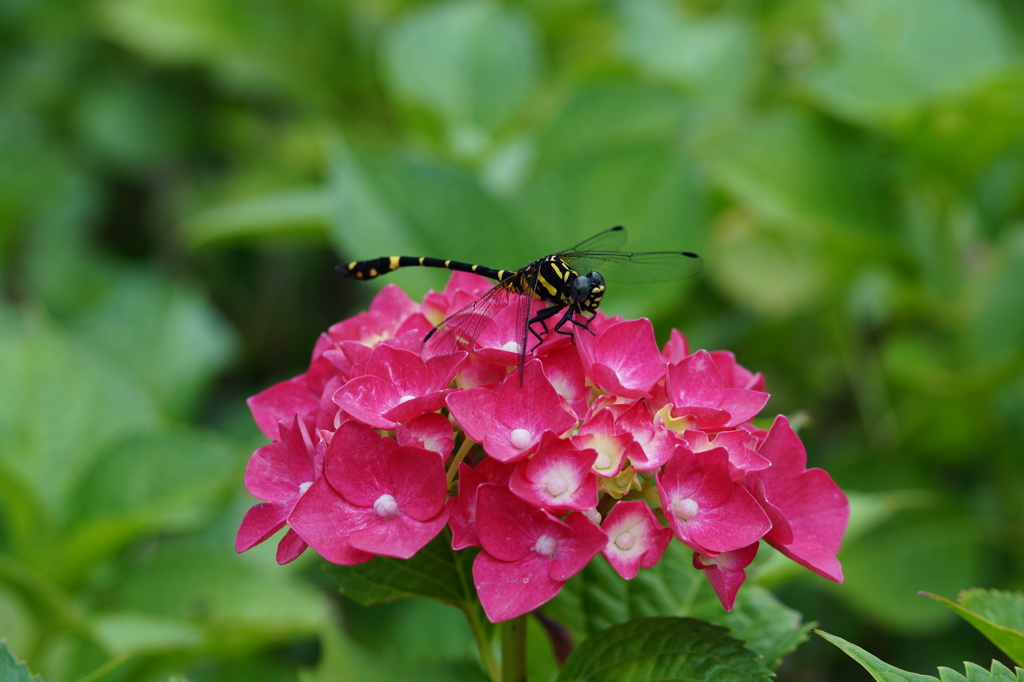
(375, 267)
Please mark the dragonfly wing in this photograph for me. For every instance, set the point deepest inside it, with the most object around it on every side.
(610, 240)
(460, 330)
(643, 267)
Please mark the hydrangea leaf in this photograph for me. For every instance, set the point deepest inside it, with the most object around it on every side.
(435, 572)
(13, 670)
(996, 614)
(663, 648)
(879, 669)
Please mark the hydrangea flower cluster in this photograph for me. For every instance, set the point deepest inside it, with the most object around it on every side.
(605, 444)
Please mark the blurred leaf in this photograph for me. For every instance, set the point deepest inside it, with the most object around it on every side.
(137, 633)
(994, 329)
(47, 377)
(887, 567)
(801, 175)
(881, 671)
(386, 205)
(166, 333)
(11, 670)
(285, 213)
(997, 615)
(234, 602)
(19, 627)
(663, 649)
(713, 54)
(472, 63)
(892, 58)
(176, 479)
(764, 271)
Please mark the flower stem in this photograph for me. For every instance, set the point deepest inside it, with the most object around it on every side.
(513, 649)
(464, 449)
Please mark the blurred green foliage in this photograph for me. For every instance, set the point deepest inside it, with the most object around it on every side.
(177, 178)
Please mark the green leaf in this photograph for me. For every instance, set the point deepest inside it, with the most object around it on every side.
(881, 671)
(138, 633)
(176, 479)
(300, 211)
(995, 331)
(11, 670)
(472, 63)
(997, 615)
(920, 550)
(388, 205)
(663, 649)
(51, 380)
(891, 58)
(435, 572)
(801, 175)
(168, 334)
(975, 673)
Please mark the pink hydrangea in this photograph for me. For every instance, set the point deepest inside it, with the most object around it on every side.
(602, 444)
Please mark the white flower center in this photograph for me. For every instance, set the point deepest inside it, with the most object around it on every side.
(303, 487)
(511, 347)
(405, 398)
(546, 545)
(625, 540)
(556, 486)
(385, 506)
(686, 509)
(520, 439)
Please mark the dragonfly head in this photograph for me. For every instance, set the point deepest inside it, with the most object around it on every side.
(587, 291)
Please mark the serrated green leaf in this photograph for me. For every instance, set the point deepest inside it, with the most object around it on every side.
(12, 670)
(663, 649)
(762, 622)
(880, 670)
(975, 673)
(997, 615)
(435, 572)
(470, 62)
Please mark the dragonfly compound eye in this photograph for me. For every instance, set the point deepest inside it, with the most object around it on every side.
(581, 287)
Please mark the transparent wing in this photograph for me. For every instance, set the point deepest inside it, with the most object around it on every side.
(609, 240)
(643, 267)
(459, 330)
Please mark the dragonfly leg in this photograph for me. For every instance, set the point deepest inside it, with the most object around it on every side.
(580, 321)
(542, 316)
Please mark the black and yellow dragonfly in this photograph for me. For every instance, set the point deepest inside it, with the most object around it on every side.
(570, 282)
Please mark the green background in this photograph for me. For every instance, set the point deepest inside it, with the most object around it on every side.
(178, 178)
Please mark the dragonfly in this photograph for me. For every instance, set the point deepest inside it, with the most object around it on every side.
(571, 283)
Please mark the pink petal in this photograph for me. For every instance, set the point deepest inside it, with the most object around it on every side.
(725, 572)
(418, 482)
(507, 590)
(319, 518)
(623, 359)
(282, 401)
(558, 477)
(290, 547)
(635, 538)
(259, 523)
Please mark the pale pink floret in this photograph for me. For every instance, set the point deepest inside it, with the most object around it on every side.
(653, 444)
(396, 386)
(430, 431)
(558, 477)
(635, 538)
(598, 433)
(622, 358)
(509, 422)
(814, 511)
(742, 460)
(726, 571)
(704, 507)
(375, 498)
(697, 391)
(528, 554)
